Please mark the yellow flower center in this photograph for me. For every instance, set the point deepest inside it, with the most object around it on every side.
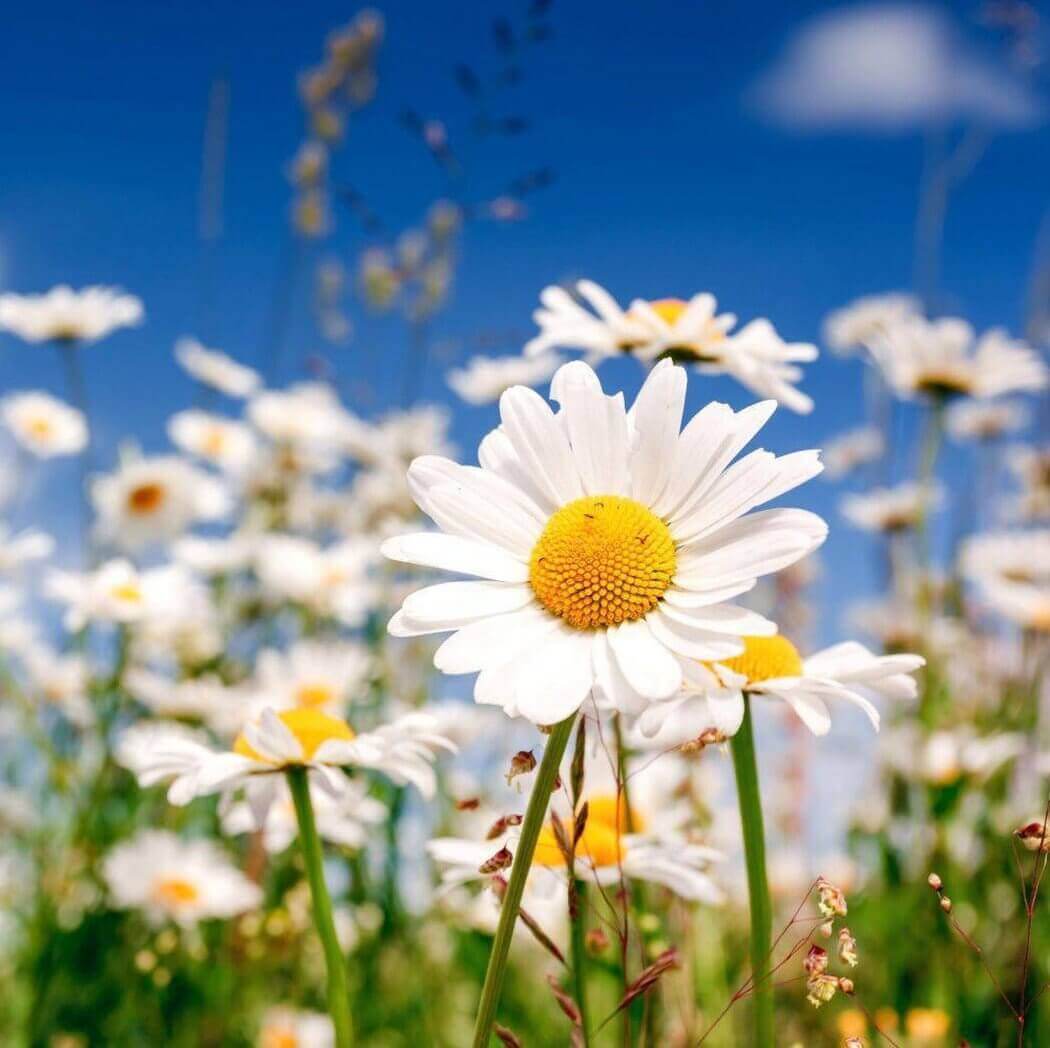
(146, 498)
(944, 383)
(309, 726)
(764, 658)
(601, 844)
(40, 427)
(602, 560)
(927, 1023)
(668, 309)
(126, 591)
(214, 441)
(175, 892)
(314, 695)
(279, 1037)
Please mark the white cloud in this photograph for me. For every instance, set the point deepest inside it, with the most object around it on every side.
(889, 67)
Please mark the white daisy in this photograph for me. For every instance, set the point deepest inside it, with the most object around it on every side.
(17, 550)
(484, 379)
(605, 542)
(860, 324)
(216, 369)
(402, 750)
(44, 425)
(155, 499)
(111, 593)
(306, 420)
(891, 509)
(170, 878)
(62, 681)
(179, 617)
(219, 441)
(65, 315)
(940, 358)
(772, 666)
(200, 698)
(849, 450)
(208, 556)
(313, 674)
(985, 420)
(1011, 573)
(400, 436)
(944, 757)
(285, 1027)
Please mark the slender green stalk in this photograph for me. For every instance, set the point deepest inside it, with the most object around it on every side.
(508, 916)
(932, 437)
(338, 996)
(578, 949)
(750, 800)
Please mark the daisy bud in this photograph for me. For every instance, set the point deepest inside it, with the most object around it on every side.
(935, 882)
(597, 941)
(816, 961)
(832, 901)
(501, 825)
(846, 985)
(1034, 837)
(500, 861)
(946, 904)
(847, 948)
(820, 989)
(521, 764)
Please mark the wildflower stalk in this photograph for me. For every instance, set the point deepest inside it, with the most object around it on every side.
(338, 995)
(579, 959)
(508, 916)
(750, 801)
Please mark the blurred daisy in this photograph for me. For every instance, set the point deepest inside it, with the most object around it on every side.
(216, 369)
(111, 593)
(1031, 467)
(483, 379)
(316, 675)
(65, 315)
(61, 681)
(44, 425)
(891, 509)
(606, 544)
(155, 499)
(218, 441)
(848, 451)
(773, 667)
(285, 1027)
(865, 320)
(985, 420)
(208, 556)
(306, 419)
(940, 358)
(1011, 573)
(401, 436)
(200, 698)
(402, 750)
(17, 550)
(170, 878)
(944, 757)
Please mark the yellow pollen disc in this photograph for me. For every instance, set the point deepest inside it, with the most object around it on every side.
(174, 891)
(314, 695)
(668, 309)
(602, 560)
(765, 658)
(40, 427)
(146, 498)
(214, 441)
(944, 383)
(127, 592)
(310, 727)
(1041, 619)
(280, 1037)
(601, 843)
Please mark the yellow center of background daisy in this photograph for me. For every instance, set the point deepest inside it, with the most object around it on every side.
(764, 658)
(280, 1038)
(668, 309)
(310, 727)
(601, 843)
(175, 891)
(602, 560)
(146, 498)
(314, 695)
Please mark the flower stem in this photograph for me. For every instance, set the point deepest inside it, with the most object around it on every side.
(750, 800)
(508, 916)
(338, 996)
(579, 959)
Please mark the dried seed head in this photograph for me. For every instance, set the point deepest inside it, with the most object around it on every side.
(500, 861)
(832, 901)
(846, 985)
(946, 904)
(520, 764)
(853, 1042)
(847, 948)
(501, 825)
(820, 989)
(826, 929)
(468, 804)
(597, 941)
(708, 737)
(935, 882)
(1034, 837)
(816, 961)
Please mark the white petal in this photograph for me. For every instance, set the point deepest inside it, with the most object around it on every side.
(494, 641)
(656, 418)
(648, 665)
(454, 553)
(690, 642)
(552, 683)
(597, 429)
(457, 603)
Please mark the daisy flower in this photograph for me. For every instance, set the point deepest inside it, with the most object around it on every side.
(216, 369)
(17, 550)
(111, 593)
(772, 666)
(400, 436)
(44, 425)
(170, 878)
(285, 1027)
(1011, 573)
(484, 379)
(985, 420)
(940, 358)
(214, 556)
(850, 450)
(221, 442)
(945, 757)
(62, 681)
(865, 320)
(314, 675)
(306, 419)
(603, 544)
(155, 499)
(891, 510)
(301, 738)
(65, 315)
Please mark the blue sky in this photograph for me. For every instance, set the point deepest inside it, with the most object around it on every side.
(669, 181)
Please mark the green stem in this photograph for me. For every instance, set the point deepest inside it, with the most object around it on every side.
(931, 446)
(578, 957)
(750, 800)
(508, 916)
(338, 997)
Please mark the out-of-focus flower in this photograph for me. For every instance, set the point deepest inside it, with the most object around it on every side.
(306, 419)
(714, 693)
(61, 680)
(202, 698)
(944, 757)
(985, 420)
(940, 358)
(1011, 573)
(401, 436)
(285, 1027)
(155, 499)
(111, 593)
(216, 369)
(44, 425)
(17, 550)
(313, 674)
(654, 519)
(485, 379)
(219, 441)
(65, 315)
(214, 556)
(846, 452)
(927, 1025)
(891, 509)
(379, 277)
(1031, 467)
(309, 166)
(688, 332)
(865, 320)
(170, 878)
(1034, 836)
